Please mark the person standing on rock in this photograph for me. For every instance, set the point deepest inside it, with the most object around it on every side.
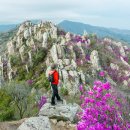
(54, 80)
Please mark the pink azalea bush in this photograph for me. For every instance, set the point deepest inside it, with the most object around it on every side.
(99, 110)
(30, 82)
(102, 73)
(42, 101)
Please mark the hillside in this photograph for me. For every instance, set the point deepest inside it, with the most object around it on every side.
(79, 28)
(82, 60)
(5, 37)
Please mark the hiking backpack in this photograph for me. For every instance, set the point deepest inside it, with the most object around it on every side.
(51, 78)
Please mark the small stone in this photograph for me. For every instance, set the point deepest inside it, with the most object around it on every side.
(61, 123)
(54, 121)
(72, 127)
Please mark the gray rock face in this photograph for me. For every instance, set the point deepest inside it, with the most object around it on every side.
(62, 111)
(95, 60)
(74, 64)
(68, 37)
(65, 76)
(21, 51)
(10, 47)
(54, 53)
(39, 36)
(30, 43)
(26, 33)
(124, 62)
(67, 61)
(36, 123)
(53, 31)
(60, 51)
(45, 37)
(114, 66)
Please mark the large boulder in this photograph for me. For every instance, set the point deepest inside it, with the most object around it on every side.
(36, 123)
(54, 53)
(114, 66)
(74, 64)
(68, 36)
(53, 31)
(26, 33)
(95, 60)
(65, 76)
(67, 61)
(60, 111)
(45, 38)
(60, 51)
(10, 47)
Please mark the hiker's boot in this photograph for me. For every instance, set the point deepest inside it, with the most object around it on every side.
(60, 100)
(53, 104)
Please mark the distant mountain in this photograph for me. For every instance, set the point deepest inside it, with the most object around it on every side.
(78, 28)
(5, 28)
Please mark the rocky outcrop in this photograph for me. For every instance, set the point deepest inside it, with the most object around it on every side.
(62, 125)
(31, 38)
(72, 53)
(55, 117)
(45, 38)
(65, 112)
(95, 60)
(54, 53)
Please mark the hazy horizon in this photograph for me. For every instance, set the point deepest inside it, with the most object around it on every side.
(104, 13)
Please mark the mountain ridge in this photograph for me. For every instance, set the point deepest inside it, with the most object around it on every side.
(78, 28)
(81, 60)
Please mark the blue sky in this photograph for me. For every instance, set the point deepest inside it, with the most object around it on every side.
(107, 13)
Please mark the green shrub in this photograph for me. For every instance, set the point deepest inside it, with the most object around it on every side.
(21, 74)
(42, 82)
(19, 92)
(29, 75)
(32, 109)
(6, 109)
(64, 91)
(15, 60)
(39, 56)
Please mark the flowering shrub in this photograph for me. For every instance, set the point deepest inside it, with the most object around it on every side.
(30, 82)
(126, 59)
(99, 110)
(88, 57)
(116, 75)
(102, 73)
(42, 101)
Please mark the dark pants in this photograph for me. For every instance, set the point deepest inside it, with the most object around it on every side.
(54, 93)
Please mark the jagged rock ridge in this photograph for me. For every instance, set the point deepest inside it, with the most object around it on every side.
(78, 57)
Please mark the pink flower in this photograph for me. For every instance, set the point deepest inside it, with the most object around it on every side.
(98, 83)
(99, 113)
(81, 126)
(102, 73)
(99, 89)
(90, 93)
(81, 88)
(106, 96)
(106, 86)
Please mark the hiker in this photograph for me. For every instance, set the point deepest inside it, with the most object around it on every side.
(54, 80)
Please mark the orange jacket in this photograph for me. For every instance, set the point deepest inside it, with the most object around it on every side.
(55, 75)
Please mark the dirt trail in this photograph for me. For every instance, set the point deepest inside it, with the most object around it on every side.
(13, 125)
